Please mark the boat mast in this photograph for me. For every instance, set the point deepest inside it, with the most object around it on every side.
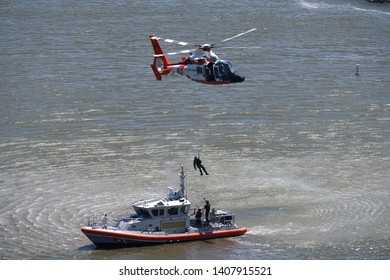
(182, 177)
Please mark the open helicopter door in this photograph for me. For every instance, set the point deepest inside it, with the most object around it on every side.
(160, 62)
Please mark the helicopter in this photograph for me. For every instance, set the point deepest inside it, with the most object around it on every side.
(202, 66)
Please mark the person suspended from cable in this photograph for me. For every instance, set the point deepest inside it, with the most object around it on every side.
(198, 164)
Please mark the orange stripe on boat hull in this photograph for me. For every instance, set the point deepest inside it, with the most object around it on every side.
(145, 239)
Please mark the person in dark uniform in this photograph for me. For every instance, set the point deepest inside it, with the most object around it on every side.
(207, 208)
(198, 217)
(198, 163)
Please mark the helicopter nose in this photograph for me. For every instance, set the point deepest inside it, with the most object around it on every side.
(237, 78)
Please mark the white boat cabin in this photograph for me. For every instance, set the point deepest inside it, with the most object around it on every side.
(169, 215)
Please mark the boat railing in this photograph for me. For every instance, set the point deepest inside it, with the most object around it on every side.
(92, 221)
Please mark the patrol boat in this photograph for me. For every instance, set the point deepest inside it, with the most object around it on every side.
(160, 221)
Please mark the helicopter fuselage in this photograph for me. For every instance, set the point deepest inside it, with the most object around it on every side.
(221, 72)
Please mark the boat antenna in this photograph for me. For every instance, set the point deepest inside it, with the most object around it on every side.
(182, 176)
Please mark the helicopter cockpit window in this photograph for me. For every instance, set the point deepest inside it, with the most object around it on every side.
(232, 69)
(224, 70)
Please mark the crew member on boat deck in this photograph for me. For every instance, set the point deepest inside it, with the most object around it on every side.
(198, 163)
(198, 217)
(207, 208)
(105, 220)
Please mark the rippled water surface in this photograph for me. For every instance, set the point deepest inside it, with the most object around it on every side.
(299, 151)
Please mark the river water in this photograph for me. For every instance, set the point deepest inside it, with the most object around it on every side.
(299, 151)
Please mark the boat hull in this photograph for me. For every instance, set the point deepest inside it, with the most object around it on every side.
(103, 238)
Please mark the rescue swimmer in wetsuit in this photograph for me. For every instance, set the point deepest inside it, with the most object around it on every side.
(198, 164)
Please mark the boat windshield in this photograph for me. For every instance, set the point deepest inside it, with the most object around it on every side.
(142, 212)
(158, 212)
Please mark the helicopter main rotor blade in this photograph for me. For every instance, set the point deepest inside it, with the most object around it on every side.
(171, 41)
(174, 53)
(180, 52)
(181, 43)
(238, 35)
